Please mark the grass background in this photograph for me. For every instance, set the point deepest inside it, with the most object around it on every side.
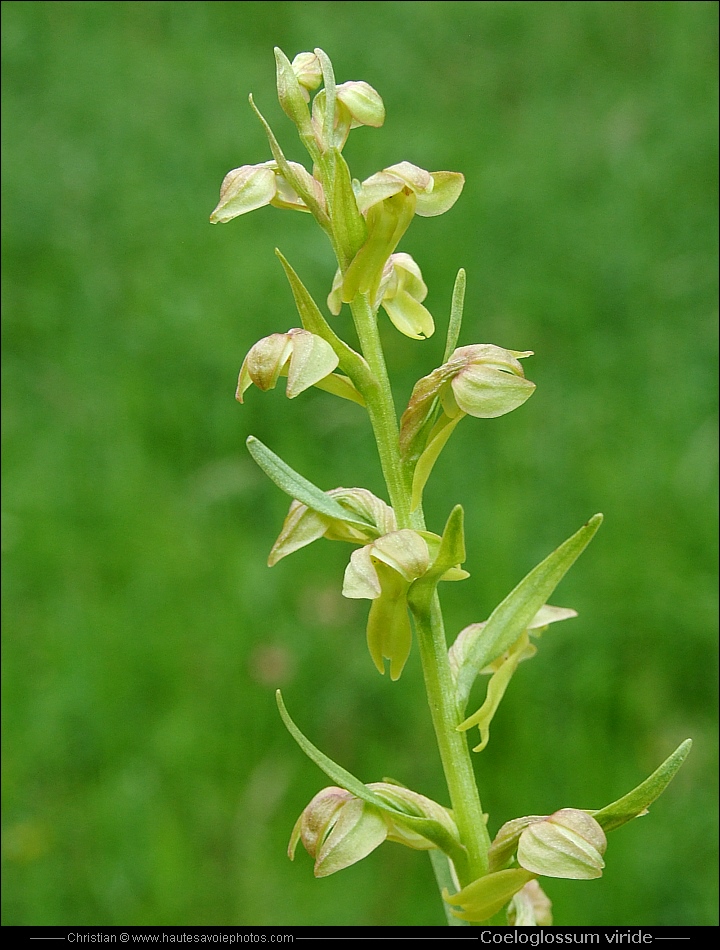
(147, 777)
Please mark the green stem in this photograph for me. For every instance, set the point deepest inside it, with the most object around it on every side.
(381, 409)
(453, 747)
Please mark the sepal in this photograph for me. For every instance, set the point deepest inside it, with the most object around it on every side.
(300, 355)
(303, 525)
(569, 844)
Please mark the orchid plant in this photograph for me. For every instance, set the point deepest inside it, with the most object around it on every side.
(397, 563)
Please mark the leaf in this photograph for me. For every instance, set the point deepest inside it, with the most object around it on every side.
(445, 882)
(510, 618)
(637, 802)
(288, 480)
(450, 553)
(348, 224)
(427, 827)
(289, 175)
(456, 315)
(312, 319)
(439, 436)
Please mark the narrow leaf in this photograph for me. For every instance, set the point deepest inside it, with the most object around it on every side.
(312, 319)
(445, 882)
(450, 554)
(289, 175)
(427, 827)
(439, 436)
(288, 480)
(512, 617)
(636, 802)
(456, 315)
(330, 95)
(336, 772)
(348, 224)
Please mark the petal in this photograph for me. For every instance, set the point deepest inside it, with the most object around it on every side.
(334, 300)
(244, 189)
(404, 551)
(361, 580)
(568, 844)
(363, 102)
(389, 634)
(267, 359)
(301, 527)
(409, 316)
(312, 359)
(486, 393)
(409, 275)
(420, 181)
(446, 191)
(358, 831)
(376, 188)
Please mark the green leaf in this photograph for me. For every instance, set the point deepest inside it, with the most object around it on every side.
(288, 480)
(312, 319)
(432, 830)
(437, 440)
(330, 94)
(487, 895)
(637, 802)
(445, 882)
(348, 224)
(450, 554)
(513, 616)
(456, 315)
(289, 175)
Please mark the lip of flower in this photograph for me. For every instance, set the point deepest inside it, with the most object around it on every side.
(435, 192)
(250, 187)
(400, 294)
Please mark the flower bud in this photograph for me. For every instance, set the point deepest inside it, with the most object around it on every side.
(337, 829)
(414, 805)
(308, 71)
(292, 96)
(244, 189)
(489, 383)
(304, 357)
(568, 843)
(363, 103)
(303, 525)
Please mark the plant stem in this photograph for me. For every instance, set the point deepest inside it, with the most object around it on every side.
(453, 747)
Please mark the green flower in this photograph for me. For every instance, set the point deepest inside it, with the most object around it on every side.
(250, 187)
(382, 572)
(400, 294)
(303, 357)
(338, 829)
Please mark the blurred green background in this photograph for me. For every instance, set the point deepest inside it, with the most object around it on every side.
(147, 776)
